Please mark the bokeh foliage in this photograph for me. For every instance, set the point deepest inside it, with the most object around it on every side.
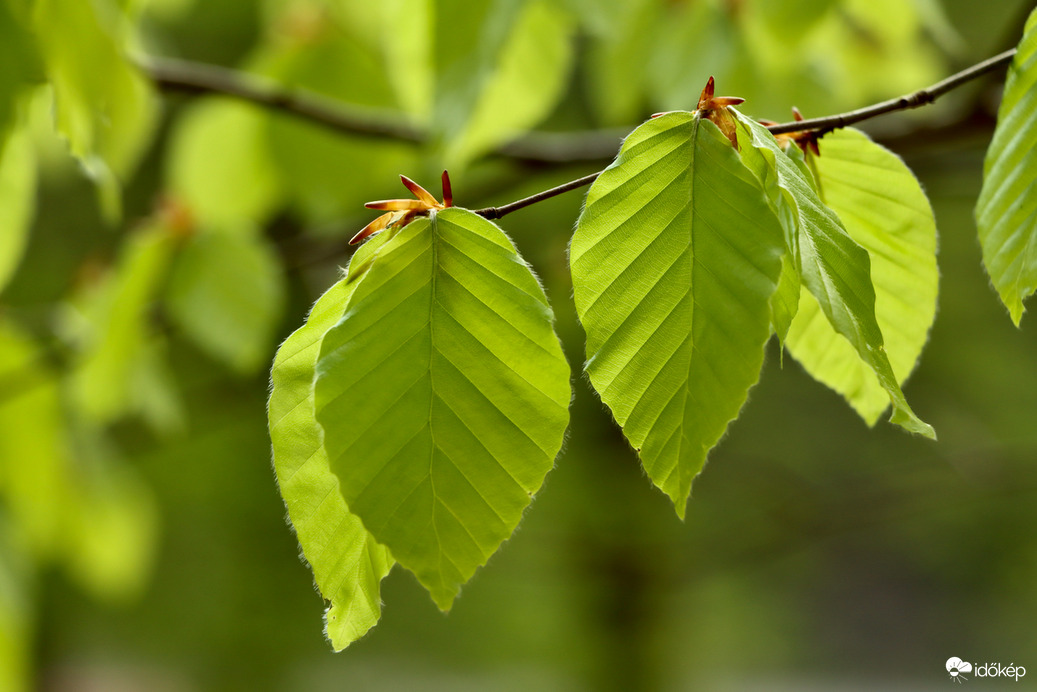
(141, 536)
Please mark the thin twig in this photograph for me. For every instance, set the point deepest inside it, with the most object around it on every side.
(199, 78)
(919, 98)
(190, 77)
(833, 122)
(498, 212)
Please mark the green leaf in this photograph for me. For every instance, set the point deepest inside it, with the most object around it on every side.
(832, 267)
(674, 262)
(20, 63)
(443, 394)
(226, 292)
(114, 326)
(219, 166)
(522, 84)
(1006, 212)
(103, 106)
(17, 198)
(886, 212)
(33, 448)
(348, 564)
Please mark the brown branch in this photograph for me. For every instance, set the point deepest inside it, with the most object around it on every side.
(919, 98)
(195, 78)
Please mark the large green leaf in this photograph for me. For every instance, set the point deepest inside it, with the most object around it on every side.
(443, 394)
(832, 267)
(1006, 212)
(885, 210)
(674, 261)
(226, 292)
(348, 565)
(17, 197)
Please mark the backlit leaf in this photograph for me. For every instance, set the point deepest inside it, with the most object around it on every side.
(443, 394)
(348, 565)
(885, 210)
(674, 262)
(832, 267)
(1006, 212)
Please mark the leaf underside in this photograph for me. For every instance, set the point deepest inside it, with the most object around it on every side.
(1006, 213)
(833, 268)
(886, 212)
(674, 261)
(348, 564)
(443, 394)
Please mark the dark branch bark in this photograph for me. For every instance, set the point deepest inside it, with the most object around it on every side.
(189, 77)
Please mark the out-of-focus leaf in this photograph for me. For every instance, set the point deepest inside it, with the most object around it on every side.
(519, 86)
(102, 104)
(20, 62)
(401, 31)
(885, 210)
(1006, 212)
(226, 292)
(674, 262)
(15, 613)
(832, 267)
(618, 58)
(219, 166)
(348, 564)
(328, 175)
(17, 198)
(443, 394)
(113, 524)
(114, 327)
(33, 452)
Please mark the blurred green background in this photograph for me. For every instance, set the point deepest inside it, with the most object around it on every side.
(816, 554)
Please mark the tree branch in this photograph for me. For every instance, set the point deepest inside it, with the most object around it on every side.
(919, 98)
(195, 78)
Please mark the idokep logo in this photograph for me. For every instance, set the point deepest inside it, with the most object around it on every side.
(958, 668)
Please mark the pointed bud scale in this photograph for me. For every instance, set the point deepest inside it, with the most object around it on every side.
(403, 211)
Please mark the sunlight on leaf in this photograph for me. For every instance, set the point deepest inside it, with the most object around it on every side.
(17, 198)
(348, 564)
(885, 210)
(443, 394)
(674, 262)
(832, 267)
(1006, 212)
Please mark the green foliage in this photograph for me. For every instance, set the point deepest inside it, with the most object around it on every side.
(17, 197)
(674, 261)
(346, 561)
(443, 395)
(226, 292)
(884, 210)
(1006, 212)
(417, 411)
(831, 266)
(102, 105)
(220, 168)
(111, 328)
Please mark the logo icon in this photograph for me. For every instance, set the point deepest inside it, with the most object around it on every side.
(957, 668)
